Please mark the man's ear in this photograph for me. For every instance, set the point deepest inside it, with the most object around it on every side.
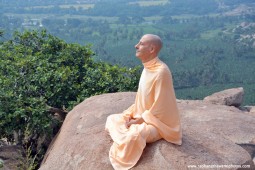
(152, 49)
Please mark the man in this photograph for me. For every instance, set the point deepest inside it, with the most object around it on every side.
(153, 116)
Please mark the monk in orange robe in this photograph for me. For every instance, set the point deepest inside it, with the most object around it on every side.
(153, 116)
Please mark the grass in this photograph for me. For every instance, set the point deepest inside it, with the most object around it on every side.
(77, 6)
(186, 16)
(81, 17)
(84, 17)
(210, 34)
(150, 3)
(25, 16)
(36, 7)
(1, 163)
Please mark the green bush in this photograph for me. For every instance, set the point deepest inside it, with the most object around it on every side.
(39, 72)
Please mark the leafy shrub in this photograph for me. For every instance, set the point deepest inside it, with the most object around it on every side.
(39, 72)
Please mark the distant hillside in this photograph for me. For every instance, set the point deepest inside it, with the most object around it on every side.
(122, 7)
(209, 45)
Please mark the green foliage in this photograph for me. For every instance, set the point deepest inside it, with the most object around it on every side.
(30, 160)
(1, 163)
(1, 33)
(38, 71)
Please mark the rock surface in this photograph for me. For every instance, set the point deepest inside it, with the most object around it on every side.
(212, 135)
(229, 97)
(10, 156)
(250, 109)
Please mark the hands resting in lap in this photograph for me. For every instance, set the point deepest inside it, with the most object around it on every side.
(131, 121)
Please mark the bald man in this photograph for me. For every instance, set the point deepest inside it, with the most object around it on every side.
(153, 116)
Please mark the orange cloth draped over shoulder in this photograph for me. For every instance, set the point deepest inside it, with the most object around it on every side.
(156, 103)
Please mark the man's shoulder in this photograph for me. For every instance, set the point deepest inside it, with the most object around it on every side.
(164, 69)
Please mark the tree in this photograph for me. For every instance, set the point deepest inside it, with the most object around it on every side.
(73, 23)
(124, 20)
(138, 20)
(166, 20)
(40, 74)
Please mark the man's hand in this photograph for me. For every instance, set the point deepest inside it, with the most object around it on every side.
(134, 121)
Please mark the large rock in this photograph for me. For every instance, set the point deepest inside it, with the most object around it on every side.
(229, 97)
(214, 135)
(11, 156)
(250, 108)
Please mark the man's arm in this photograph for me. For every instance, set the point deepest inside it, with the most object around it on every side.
(128, 114)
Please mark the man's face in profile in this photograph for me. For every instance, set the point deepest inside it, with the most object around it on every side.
(143, 48)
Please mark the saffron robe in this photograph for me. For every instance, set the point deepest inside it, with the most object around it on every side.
(156, 103)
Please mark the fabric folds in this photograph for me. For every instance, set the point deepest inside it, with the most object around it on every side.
(156, 103)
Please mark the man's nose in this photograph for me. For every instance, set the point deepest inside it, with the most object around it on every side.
(136, 46)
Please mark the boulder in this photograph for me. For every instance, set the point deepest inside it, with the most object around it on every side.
(229, 97)
(11, 156)
(213, 135)
(250, 109)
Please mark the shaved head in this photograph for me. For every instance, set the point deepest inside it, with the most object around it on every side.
(148, 47)
(154, 40)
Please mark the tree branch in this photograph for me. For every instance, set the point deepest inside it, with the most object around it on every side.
(59, 114)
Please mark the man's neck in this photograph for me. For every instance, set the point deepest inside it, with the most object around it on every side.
(148, 59)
